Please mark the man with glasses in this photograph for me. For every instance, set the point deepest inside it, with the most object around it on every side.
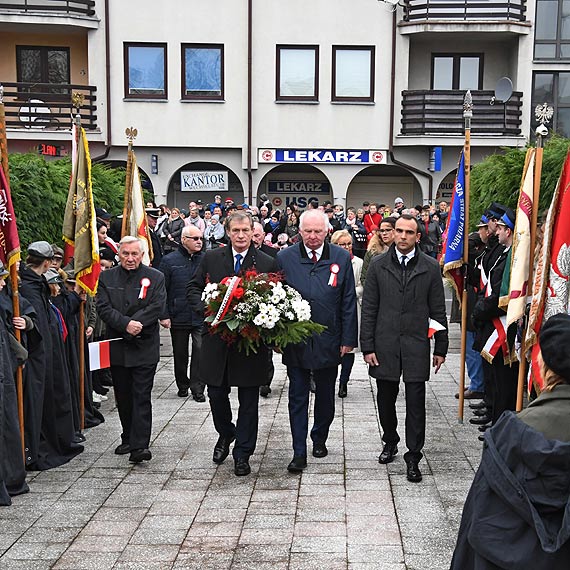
(184, 323)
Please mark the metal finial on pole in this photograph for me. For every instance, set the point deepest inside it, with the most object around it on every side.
(543, 114)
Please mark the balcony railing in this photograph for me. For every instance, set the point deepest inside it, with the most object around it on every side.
(47, 106)
(70, 7)
(440, 113)
(422, 10)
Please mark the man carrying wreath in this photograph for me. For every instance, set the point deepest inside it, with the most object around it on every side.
(223, 366)
(322, 273)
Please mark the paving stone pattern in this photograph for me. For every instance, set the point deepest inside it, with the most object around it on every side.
(180, 510)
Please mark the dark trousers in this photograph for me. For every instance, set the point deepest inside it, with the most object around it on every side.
(271, 368)
(180, 339)
(346, 364)
(415, 415)
(245, 428)
(503, 380)
(133, 387)
(299, 384)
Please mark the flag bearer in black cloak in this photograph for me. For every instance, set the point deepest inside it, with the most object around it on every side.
(49, 428)
(12, 468)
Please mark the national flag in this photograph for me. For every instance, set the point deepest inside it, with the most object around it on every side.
(79, 222)
(100, 354)
(551, 287)
(434, 326)
(9, 240)
(521, 254)
(497, 341)
(134, 214)
(455, 232)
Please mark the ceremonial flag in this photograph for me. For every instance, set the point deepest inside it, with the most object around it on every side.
(551, 287)
(455, 232)
(521, 254)
(79, 222)
(9, 240)
(134, 214)
(100, 354)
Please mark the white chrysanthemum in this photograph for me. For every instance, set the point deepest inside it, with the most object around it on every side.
(302, 309)
(210, 292)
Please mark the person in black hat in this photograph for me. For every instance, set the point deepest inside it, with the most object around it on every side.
(520, 496)
(152, 215)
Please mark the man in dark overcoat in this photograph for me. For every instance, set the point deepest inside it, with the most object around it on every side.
(323, 274)
(403, 291)
(223, 366)
(130, 299)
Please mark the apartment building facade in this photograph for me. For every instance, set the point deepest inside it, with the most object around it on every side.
(347, 101)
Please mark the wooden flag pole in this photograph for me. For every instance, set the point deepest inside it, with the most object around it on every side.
(467, 115)
(13, 280)
(131, 136)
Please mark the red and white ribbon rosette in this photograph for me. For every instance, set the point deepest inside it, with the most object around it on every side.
(334, 272)
(145, 284)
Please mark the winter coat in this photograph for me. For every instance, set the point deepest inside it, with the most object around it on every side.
(334, 307)
(396, 314)
(517, 512)
(178, 268)
(218, 361)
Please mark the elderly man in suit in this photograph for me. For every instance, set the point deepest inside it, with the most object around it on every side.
(322, 273)
(223, 366)
(403, 291)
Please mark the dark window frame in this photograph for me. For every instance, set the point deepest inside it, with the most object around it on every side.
(191, 97)
(457, 67)
(44, 64)
(296, 98)
(126, 46)
(552, 126)
(372, 77)
(558, 42)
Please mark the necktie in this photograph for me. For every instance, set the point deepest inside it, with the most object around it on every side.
(237, 266)
(314, 256)
(403, 262)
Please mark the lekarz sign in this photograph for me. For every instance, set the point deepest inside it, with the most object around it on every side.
(323, 156)
(297, 187)
(216, 181)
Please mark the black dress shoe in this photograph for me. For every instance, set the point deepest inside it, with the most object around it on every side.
(138, 455)
(413, 472)
(342, 391)
(222, 449)
(79, 438)
(480, 421)
(264, 391)
(123, 449)
(183, 393)
(484, 428)
(199, 397)
(477, 405)
(242, 467)
(388, 453)
(298, 463)
(480, 413)
(320, 450)
(481, 437)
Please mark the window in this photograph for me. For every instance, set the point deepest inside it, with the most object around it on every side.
(353, 73)
(43, 65)
(552, 29)
(297, 73)
(554, 89)
(145, 71)
(452, 71)
(202, 71)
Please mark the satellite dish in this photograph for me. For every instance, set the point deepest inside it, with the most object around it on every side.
(503, 89)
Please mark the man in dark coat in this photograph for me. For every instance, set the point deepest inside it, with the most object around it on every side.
(130, 300)
(223, 366)
(152, 215)
(183, 321)
(403, 291)
(323, 274)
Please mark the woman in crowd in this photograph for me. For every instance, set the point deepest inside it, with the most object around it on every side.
(215, 233)
(380, 243)
(517, 513)
(172, 230)
(292, 227)
(355, 228)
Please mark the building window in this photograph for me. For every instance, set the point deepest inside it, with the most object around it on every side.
(554, 89)
(353, 73)
(43, 65)
(145, 71)
(297, 73)
(552, 29)
(453, 71)
(203, 71)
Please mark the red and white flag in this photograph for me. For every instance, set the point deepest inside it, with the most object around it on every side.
(100, 354)
(434, 326)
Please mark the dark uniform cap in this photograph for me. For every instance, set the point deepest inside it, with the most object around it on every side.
(41, 249)
(508, 219)
(57, 251)
(102, 213)
(484, 221)
(554, 335)
(53, 277)
(153, 212)
(495, 210)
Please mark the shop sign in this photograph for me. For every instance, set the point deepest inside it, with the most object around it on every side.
(298, 187)
(324, 156)
(207, 180)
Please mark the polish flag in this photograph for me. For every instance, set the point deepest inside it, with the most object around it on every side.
(100, 354)
(434, 327)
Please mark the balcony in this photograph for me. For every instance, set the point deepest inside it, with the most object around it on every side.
(52, 7)
(423, 10)
(440, 114)
(47, 106)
